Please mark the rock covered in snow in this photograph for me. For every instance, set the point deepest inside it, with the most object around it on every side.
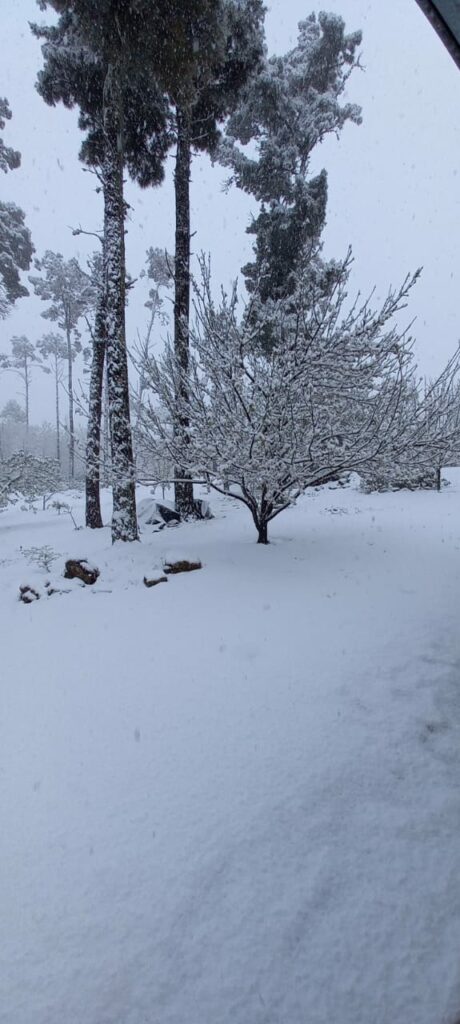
(28, 594)
(80, 569)
(158, 514)
(204, 509)
(153, 513)
(168, 513)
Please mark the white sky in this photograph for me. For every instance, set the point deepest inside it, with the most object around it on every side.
(393, 181)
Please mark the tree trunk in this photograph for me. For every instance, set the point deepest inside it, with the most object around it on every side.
(124, 518)
(438, 479)
(144, 357)
(262, 533)
(26, 396)
(71, 418)
(183, 488)
(261, 517)
(106, 457)
(58, 431)
(93, 437)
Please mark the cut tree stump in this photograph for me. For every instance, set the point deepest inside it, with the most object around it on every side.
(80, 569)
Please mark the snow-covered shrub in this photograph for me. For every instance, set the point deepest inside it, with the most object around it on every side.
(428, 422)
(63, 506)
(43, 556)
(415, 480)
(29, 476)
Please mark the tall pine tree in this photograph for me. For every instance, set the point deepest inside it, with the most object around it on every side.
(69, 292)
(22, 361)
(222, 55)
(133, 51)
(52, 347)
(99, 57)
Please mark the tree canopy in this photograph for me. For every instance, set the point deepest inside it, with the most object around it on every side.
(16, 249)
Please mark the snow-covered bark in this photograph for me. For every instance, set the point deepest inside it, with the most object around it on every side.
(56, 407)
(183, 488)
(93, 438)
(70, 357)
(124, 519)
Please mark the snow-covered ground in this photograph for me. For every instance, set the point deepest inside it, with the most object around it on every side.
(235, 797)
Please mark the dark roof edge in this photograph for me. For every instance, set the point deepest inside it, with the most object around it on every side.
(451, 42)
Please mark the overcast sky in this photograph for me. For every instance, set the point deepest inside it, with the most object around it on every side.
(393, 181)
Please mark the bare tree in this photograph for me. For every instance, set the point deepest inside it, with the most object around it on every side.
(326, 399)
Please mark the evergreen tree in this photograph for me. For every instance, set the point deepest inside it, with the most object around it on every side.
(22, 360)
(16, 247)
(13, 412)
(100, 57)
(70, 293)
(287, 110)
(223, 50)
(218, 70)
(10, 159)
(53, 347)
(134, 53)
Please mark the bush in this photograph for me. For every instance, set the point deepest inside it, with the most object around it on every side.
(402, 479)
(28, 475)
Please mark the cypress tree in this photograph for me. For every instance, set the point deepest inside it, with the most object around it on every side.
(287, 110)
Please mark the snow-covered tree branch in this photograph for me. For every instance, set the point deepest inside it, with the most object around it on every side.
(329, 397)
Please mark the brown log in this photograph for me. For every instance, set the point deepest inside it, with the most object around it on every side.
(153, 583)
(171, 568)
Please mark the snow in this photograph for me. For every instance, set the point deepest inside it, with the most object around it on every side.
(235, 798)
